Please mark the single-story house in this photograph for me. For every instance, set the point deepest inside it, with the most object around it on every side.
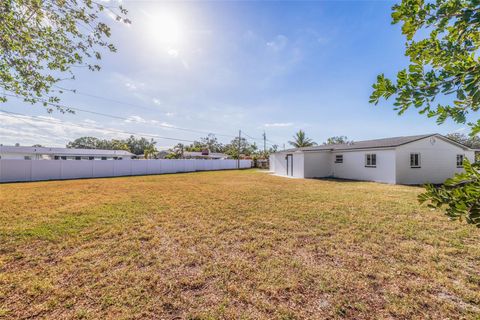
(430, 158)
(205, 154)
(45, 153)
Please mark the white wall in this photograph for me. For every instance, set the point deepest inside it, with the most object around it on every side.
(318, 164)
(35, 170)
(280, 164)
(353, 166)
(438, 161)
(298, 165)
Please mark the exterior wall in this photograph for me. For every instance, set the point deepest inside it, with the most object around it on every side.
(318, 164)
(438, 161)
(280, 164)
(298, 165)
(31, 170)
(353, 166)
(33, 156)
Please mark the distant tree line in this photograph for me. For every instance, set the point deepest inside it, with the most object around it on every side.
(137, 146)
(235, 149)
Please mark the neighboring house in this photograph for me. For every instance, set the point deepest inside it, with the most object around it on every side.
(430, 158)
(45, 153)
(206, 154)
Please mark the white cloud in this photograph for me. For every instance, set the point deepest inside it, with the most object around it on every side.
(48, 131)
(279, 43)
(172, 52)
(90, 121)
(135, 119)
(156, 101)
(278, 124)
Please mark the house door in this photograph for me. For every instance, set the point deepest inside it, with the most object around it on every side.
(289, 159)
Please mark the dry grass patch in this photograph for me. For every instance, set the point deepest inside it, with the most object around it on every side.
(232, 244)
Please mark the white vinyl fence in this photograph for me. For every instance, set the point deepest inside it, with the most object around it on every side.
(34, 170)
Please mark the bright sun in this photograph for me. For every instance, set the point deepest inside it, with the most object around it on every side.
(167, 30)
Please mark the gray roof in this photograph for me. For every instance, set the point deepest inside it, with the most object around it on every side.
(373, 144)
(63, 151)
(200, 154)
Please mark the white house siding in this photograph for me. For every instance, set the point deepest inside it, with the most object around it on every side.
(437, 159)
(353, 166)
(318, 164)
(298, 165)
(280, 164)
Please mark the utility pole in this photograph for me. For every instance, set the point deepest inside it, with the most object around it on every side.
(239, 147)
(284, 147)
(264, 143)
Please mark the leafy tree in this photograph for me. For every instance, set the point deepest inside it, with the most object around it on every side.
(85, 143)
(246, 148)
(443, 77)
(301, 140)
(134, 145)
(337, 140)
(176, 152)
(139, 145)
(41, 41)
(149, 152)
(469, 141)
(209, 142)
(441, 81)
(460, 195)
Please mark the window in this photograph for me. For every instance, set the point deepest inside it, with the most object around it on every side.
(371, 160)
(415, 160)
(91, 158)
(78, 158)
(104, 158)
(339, 158)
(459, 160)
(27, 158)
(63, 157)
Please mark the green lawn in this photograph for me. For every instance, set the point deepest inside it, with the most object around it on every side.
(231, 244)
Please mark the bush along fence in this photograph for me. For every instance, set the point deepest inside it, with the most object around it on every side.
(15, 170)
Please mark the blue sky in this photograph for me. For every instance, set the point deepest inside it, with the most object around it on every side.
(224, 66)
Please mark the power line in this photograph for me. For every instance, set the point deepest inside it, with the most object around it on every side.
(136, 120)
(19, 115)
(127, 119)
(142, 107)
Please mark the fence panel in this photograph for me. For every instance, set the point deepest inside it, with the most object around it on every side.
(33, 170)
(74, 169)
(103, 169)
(51, 170)
(139, 168)
(16, 170)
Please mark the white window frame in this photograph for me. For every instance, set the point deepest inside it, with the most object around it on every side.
(339, 158)
(419, 160)
(460, 164)
(373, 160)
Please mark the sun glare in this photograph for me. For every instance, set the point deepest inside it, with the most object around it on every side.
(167, 30)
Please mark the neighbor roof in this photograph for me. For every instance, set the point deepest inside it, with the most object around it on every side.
(64, 151)
(209, 155)
(373, 144)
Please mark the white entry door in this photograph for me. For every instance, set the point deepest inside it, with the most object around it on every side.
(289, 160)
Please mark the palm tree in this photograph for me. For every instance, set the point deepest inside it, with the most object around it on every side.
(149, 152)
(301, 140)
